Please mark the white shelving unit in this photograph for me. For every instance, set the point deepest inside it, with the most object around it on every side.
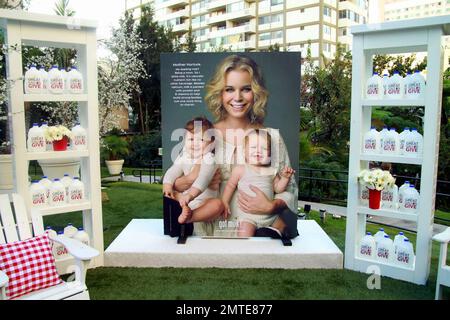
(27, 29)
(415, 35)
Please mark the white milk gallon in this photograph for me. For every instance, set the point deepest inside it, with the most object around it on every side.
(76, 191)
(367, 246)
(394, 87)
(379, 235)
(401, 191)
(389, 197)
(66, 181)
(415, 86)
(59, 251)
(51, 233)
(385, 250)
(38, 194)
(410, 201)
(75, 81)
(56, 81)
(36, 139)
(398, 240)
(70, 230)
(390, 142)
(374, 87)
(413, 144)
(47, 184)
(48, 144)
(383, 136)
(82, 236)
(405, 254)
(385, 82)
(79, 140)
(402, 136)
(57, 193)
(44, 79)
(363, 196)
(33, 80)
(371, 142)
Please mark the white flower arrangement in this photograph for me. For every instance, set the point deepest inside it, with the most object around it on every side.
(56, 133)
(376, 179)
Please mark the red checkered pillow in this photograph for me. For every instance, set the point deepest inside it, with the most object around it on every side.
(29, 265)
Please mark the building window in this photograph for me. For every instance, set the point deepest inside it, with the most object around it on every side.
(327, 11)
(237, 6)
(302, 28)
(327, 30)
(302, 10)
(276, 2)
(264, 36)
(342, 32)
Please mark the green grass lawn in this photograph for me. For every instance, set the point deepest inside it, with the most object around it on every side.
(134, 200)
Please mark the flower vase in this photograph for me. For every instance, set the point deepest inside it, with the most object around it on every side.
(60, 145)
(374, 199)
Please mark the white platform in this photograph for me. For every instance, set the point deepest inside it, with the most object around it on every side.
(142, 244)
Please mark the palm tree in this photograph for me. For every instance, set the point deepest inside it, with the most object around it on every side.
(62, 8)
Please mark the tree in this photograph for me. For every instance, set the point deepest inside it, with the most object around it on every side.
(190, 44)
(120, 73)
(14, 4)
(146, 105)
(62, 8)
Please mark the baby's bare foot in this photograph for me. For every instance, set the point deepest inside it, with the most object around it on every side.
(185, 215)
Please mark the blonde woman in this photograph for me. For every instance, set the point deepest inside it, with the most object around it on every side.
(237, 97)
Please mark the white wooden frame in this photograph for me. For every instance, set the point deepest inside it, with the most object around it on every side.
(23, 28)
(389, 38)
(443, 275)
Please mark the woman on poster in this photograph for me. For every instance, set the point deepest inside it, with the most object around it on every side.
(237, 97)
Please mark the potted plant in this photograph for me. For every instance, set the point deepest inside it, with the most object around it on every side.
(59, 136)
(6, 169)
(113, 150)
(375, 180)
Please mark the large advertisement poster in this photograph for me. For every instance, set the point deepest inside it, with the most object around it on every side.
(230, 130)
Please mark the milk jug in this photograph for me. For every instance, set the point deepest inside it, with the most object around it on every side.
(405, 83)
(76, 191)
(394, 87)
(38, 194)
(59, 251)
(75, 81)
(47, 184)
(389, 197)
(401, 191)
(51, 233)
(70, 230)
(57, 193)
(402, 136)
(44, 79)
(363, 196)
(56, 81)
(367, 247)
(371, 142)
(391, 142)
(413, 144)
(36, 139)
(82, 236)
(33, 80)
(374, 87)
(385, 249)
(66, 181)
(405, 253)
(385, 82)
(379, 236)
(398, 240)
(383, 136)
(415, 86)
(410, 202)
(48, 144)
(64, 74)
(79, 140)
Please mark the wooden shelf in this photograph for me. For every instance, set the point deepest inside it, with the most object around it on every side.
(54, 97)
(391, 158)
(65, 208)
(395, 214)
(394, 103)
(52, 155)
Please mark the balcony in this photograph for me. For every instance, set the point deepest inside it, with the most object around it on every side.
(250, 28)
(216, 4)
(269, 26)
(183, 27)
(172, 4)
(267, 43)
(232, 16)
(249, 44)
(177, 14)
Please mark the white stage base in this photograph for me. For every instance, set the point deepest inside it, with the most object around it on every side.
(142, 244)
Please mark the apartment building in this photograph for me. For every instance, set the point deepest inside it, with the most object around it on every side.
(255, 25)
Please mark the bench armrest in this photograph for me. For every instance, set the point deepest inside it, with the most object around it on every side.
(77, 249)
(443, 237)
